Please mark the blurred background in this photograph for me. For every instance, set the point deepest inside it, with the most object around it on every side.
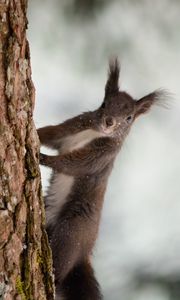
(137, 255)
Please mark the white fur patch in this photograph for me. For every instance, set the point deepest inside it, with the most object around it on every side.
(79, 140)
(59, 190)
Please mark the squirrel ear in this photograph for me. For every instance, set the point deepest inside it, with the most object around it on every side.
(112, 86)
(144, 104)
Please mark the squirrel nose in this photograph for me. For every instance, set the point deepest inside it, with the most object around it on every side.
(109, 121)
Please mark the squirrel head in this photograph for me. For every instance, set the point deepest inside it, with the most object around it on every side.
(119, 110)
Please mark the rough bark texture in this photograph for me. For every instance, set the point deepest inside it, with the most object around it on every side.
(25, 258)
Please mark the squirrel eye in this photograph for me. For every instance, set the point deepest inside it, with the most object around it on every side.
(129, 119)
(109, 121)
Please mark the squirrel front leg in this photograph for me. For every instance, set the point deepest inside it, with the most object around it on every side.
(88, 160)
(52, 136)
(49, 135)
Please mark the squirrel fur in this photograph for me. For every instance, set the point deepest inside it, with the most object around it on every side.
(87, 146)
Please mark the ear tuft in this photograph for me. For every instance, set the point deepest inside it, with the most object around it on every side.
(158, 97)
(164, 98)
(112, 86)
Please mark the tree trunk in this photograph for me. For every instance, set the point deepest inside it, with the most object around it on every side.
(25, 257)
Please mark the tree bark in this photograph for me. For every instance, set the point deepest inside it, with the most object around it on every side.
(25, 257)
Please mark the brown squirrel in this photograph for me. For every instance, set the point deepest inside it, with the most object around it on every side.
(87, 147)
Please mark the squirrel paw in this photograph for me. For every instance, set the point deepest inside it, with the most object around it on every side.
(43, 159)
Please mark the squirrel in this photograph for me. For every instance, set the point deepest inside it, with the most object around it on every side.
(87, 146)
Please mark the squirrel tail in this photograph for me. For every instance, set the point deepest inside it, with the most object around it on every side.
(80, 284)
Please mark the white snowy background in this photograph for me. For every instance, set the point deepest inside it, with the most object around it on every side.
(137, 254)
